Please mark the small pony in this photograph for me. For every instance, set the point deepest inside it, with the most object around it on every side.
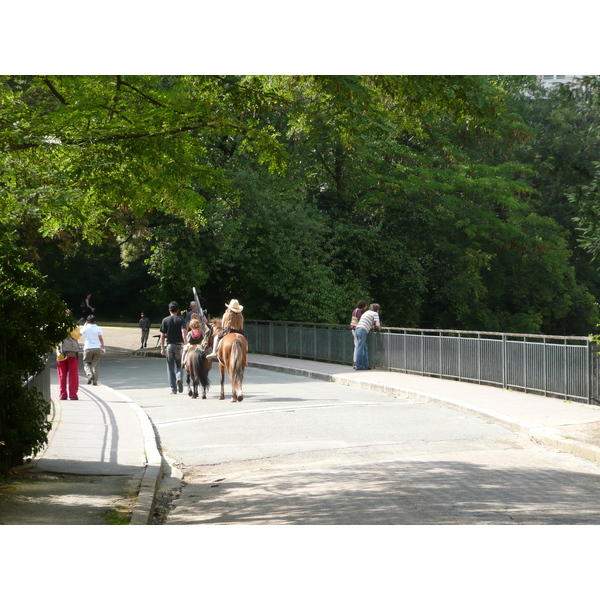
(197, 367)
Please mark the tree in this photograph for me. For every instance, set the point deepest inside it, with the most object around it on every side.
(89, 156)
(562, 150)
(303, 193)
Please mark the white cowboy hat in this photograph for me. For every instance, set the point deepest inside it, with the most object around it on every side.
(235, 306)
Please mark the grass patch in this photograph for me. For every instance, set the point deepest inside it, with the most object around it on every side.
(120, 515)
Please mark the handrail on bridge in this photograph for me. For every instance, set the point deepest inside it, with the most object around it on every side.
(564, 366)
(459, 332)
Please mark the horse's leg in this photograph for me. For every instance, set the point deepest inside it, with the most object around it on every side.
(222, 371)
(236, 369)
(207, 366)
(187, 373)
(242, 365)
(194, 388)
(234, 395)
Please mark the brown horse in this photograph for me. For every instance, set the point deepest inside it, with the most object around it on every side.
(197, 367)
(232, 356)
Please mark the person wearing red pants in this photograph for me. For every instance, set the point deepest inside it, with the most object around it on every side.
(67, 365)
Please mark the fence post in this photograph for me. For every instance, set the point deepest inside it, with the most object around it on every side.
(589, 370)
(594, 372)
(479, 358)
(525, 363)
(504, 370)
(459, 356)
(565, 374)
(545, 369)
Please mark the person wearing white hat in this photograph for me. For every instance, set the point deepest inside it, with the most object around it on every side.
(233, 322)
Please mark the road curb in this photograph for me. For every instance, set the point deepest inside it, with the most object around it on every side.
(143, 511)
(545, 435)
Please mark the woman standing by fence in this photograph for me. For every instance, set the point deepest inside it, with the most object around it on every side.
(357, 313)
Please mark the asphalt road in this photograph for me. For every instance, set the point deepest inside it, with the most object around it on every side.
(303, 451)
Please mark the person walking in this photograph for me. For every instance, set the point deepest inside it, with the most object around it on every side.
(93, 349)
(144, 325)
(172, 334)
(357, 313)
(67, 366)
(369, 319)
(86, 308)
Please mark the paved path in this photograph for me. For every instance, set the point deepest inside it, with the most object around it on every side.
(106, 434)
(569, 426)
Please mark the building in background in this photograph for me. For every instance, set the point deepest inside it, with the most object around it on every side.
(549, 81)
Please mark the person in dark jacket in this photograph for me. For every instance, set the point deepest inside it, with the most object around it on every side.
(172, 336)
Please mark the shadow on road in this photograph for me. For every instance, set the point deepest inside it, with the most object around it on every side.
(395, 493)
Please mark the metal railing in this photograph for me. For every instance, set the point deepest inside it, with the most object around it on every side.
(41, 381)
(562, 366)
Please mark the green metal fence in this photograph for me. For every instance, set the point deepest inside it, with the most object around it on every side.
(560, 366)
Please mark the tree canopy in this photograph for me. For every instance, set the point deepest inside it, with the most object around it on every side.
(453, 201)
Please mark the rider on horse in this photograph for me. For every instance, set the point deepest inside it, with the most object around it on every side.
(194, 336)
(233, 322)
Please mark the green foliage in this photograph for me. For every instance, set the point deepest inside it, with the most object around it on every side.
(443, 198)
(587, 202)
(91, 154)
(33, 322)
(273, 249)
(177, 261)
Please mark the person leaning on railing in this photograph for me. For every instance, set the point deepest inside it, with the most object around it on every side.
(369, 320)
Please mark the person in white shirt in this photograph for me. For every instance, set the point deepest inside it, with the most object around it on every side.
(369, 320)
(93, 349)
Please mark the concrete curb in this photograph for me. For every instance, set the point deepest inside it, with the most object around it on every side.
(143, 511)
(545, 435)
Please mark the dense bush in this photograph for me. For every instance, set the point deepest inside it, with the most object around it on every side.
(33, 321)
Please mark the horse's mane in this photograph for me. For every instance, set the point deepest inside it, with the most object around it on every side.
(217, 322)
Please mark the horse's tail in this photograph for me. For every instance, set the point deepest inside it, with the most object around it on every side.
(236, 365)
(200, 369)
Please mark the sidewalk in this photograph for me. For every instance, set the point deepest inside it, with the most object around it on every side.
(101, 457)
(103, 446)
